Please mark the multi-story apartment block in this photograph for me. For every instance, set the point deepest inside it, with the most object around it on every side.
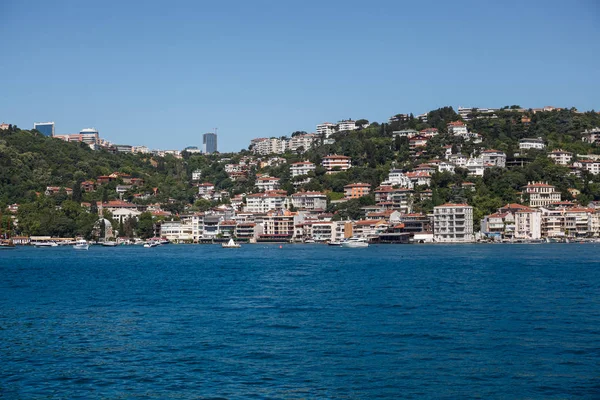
(457, 128)
(397, 178)
(326, 129)
(467, 112)
(301, 168)
(453, 223)
(591, 135)
(356, 190)
(279, 225)
(532, 143)
(402, 200)
(591, 166)
(302, 142)
(334, 163)
(265, 146)
(460, 160)
(267, 183)
(494, 157)
(309, 200)
(263, 202)
(528, 223)
(417, 142)
(561, 157)
(420, 178)
(407, 133)
(541, 194)
(347, 125)
(206, 190)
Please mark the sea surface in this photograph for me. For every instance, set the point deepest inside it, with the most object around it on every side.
(301, 322)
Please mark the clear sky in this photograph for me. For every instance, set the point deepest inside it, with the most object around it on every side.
(162, 73)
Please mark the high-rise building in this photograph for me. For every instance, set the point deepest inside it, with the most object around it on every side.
(45, 128)
(209, 143)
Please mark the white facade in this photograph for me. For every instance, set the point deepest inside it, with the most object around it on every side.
(457, 128)
(265, 146)
(301, 168)
(541, 194)
(531, 143)
(494, 157)
(336, 162)
(593, 167)
(347, 125)
(309, 200)
(561, 157)
(453, 223)
(397, 178)
(302, 142)
(326, 129)
(528, 224)
(263, 202)
(267, 183)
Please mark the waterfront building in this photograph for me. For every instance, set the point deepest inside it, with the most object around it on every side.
(498, 225)
(528, 223)
(209, 143)
(45, 128)
(278, 226)
(541, 194)
(453, 223)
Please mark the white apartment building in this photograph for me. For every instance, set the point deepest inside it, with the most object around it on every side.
(541, 194)
(561, 157)
(334, 162)
(302, 142)
(301, 168)
(419, 178)
(494, 157)
(309, 200)
(453, 223)
(446, 167)
(591, 166)
(267, 183)
(397, 178)
(407, 133)
(591, 135)
(265, 146)
(475, 166)
(457, 128)
(347, 125)
(528, 224)
(460, 160)
(263, 202)
(531, 143)
(464, 112)
(326, 129)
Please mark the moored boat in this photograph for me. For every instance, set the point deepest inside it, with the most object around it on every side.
(45, 244)
(109, 244)
(231, 245)
(81, 244)
(151, 243)
(9, 245)
(355, 242)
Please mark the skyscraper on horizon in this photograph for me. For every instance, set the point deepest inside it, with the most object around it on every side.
(209, 143)
(45, 128)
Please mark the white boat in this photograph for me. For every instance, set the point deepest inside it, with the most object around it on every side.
(151, 244)
(231, 245)
(355, 242)
(334, 243)
(109, 244)
(45, 244)
(81, 244)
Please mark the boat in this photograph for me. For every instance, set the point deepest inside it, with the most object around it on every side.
(7, 245)
(81, 244)
(309, 241)
(355, 242)
(151, 243)
(109, 244)
(45, 244)
(334, 243)
(231, 245)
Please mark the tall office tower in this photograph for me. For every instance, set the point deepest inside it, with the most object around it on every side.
(45, 128)
(209, 142)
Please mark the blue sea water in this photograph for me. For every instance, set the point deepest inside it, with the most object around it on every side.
(301, 321)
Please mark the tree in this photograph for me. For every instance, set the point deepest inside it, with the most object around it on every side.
(145, 225)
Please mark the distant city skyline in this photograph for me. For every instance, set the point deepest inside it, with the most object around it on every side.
(269, 69)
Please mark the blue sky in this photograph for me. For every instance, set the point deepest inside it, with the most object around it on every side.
(163, 73)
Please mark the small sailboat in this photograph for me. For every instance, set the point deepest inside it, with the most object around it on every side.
(81, 244)
(231, 245)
